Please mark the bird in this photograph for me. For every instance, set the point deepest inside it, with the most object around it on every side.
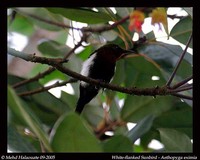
(100, 65)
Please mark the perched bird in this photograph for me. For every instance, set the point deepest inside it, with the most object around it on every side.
(100, 65)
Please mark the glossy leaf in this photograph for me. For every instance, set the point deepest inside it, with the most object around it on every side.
(164, 54)
(179, 119)
(18, 107)
(118, 143)
(46, 111)
(182, 30)
(52, 48)
(71, 134)
(81, 15)
(17, 143)
(69, 99)
(136, 108)
(93, 113)
(175, 141)
(141, 128)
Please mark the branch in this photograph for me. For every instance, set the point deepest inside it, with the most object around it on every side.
(42, 89)
(83, 38)
(55, 63)
(35, 78)
(179, 62)
(104, 27)
(182, 82)
(182, 96)
(182, 88)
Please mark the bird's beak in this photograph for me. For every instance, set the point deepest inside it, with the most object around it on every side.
(126, 53)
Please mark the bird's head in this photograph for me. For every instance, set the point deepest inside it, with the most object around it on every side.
(113, 52)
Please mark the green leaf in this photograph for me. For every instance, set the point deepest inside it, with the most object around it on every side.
(136, 108)
(71, 134)
(189, 10)
(141, 128)
(166, 55)
(18, 107)
(52, 48)
(175, 141)
(82, 15)
(21, 25)
(123, 12)
(44, 14)
(46, 111)
(117, 79)
(68, 99)
(55, 75)
(85, 53)
(179, 118)
(118, 143)
(182, 30)
(109, 35)
(93, 113)
(17, 143)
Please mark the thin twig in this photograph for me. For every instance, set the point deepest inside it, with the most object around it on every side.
(178, 63)
(42, 89)
(35, 78)
(181, 89)
(182, 82)
(84, 38)
(182, 96)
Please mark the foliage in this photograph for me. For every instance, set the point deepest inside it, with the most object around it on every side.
(44, 120)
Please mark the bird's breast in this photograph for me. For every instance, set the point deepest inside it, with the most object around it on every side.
(97, 68)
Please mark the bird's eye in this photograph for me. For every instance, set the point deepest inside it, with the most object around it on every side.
(116, 47)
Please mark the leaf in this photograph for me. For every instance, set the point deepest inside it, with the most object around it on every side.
(179, 118)
(118, 143)
(44, 105)
(141, 128)
(166, 55)
(18, 107)
(189, 10)
(85, 53)
(68, 99)
(123, 12)
(21, 25)
(182, 31)
(136, 108)
(82, 15)
(175, 141)
(17, 143)
(117, 79)
(109, 35)
(52, 48)
(71, 134)
(44, 14)
(94, 114)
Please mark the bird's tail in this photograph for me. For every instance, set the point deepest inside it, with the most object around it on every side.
(79, 106)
